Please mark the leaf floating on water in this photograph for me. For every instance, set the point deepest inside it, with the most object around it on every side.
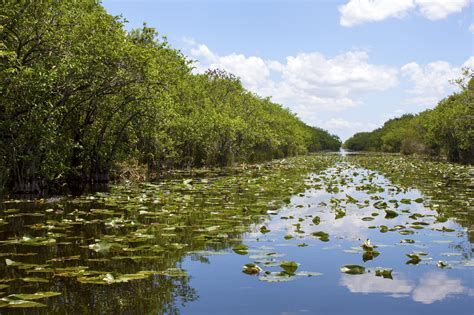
(105, 247)
(251, 269)
(385, 273)
(289, 266)
(441, 264)
(276, 277)
(316, 220)
(414, 259)
(445, 229)
(241, 249)
(340, 213)
(390, 214)
(370, 255)
(353, 269)
(174, 272)
(35, 279)
(323, 236)
(20, 303)
(367, 246)
(308, 274)
(405, 201)
(34, 296)
(441, 219)
(380, 204)
(264, 230)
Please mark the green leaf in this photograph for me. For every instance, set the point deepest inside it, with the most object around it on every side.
(241, 249)
(34, 296)
(289, 266)
(390, 214)
(353, 269)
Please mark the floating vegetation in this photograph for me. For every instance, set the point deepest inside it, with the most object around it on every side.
(241, 249)
(353, 269)
(251, 269)
(385, 273)
(323, 236)
(289, 266)
(319, 209)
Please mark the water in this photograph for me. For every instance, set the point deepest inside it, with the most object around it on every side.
(167, 248)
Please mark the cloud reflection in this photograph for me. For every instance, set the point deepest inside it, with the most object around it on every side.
(433, 286)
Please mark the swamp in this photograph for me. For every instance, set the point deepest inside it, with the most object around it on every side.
(322, 233)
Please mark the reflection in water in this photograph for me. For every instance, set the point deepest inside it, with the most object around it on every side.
(368, 283)
(83, 248)
(436, 286)
(431, 287)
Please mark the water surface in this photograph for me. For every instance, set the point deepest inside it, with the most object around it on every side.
(403, 226)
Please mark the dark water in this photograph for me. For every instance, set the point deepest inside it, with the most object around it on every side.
(168, 247)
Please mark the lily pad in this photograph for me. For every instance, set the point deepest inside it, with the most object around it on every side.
(34, 296)
(353, 269)
(241, 249)
(251, 269)
(289, 266)
(390, 214)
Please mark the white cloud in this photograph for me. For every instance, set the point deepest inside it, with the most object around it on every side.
(342, 124)
(433, 286)
(368, 283)
(471, 28)
(306, 82)
(469, 63)
(362, 11)
(432, 81)
(440, 9)
(346, 73)
(436, 286)
(312, 85)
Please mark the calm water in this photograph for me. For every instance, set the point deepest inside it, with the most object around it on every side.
(180, 246)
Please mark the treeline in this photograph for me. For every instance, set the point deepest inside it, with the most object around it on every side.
(447, 131)
(79, 94)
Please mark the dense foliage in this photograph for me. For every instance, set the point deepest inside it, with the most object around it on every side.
(446, 131)
(79, 94)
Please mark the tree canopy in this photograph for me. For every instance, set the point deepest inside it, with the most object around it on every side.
(446, 131)
(80, 94)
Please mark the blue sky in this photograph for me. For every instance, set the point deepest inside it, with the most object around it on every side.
(345, 66)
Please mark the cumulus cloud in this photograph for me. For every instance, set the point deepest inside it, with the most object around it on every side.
(342, 124)
(432, 286)
(436, 286)
(312, 84)
(471, 28)
(361, 11)
(431, 82)
(440, 9)
(368, 283)
(357, 12)
(306, 82)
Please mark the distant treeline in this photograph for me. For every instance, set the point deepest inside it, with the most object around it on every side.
(447, 131)
(79, 94)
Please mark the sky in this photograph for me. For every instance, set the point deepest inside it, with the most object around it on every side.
(342, 65)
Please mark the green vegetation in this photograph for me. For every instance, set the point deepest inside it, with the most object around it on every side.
(447, 131)
(79, 95)
(137, 248)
